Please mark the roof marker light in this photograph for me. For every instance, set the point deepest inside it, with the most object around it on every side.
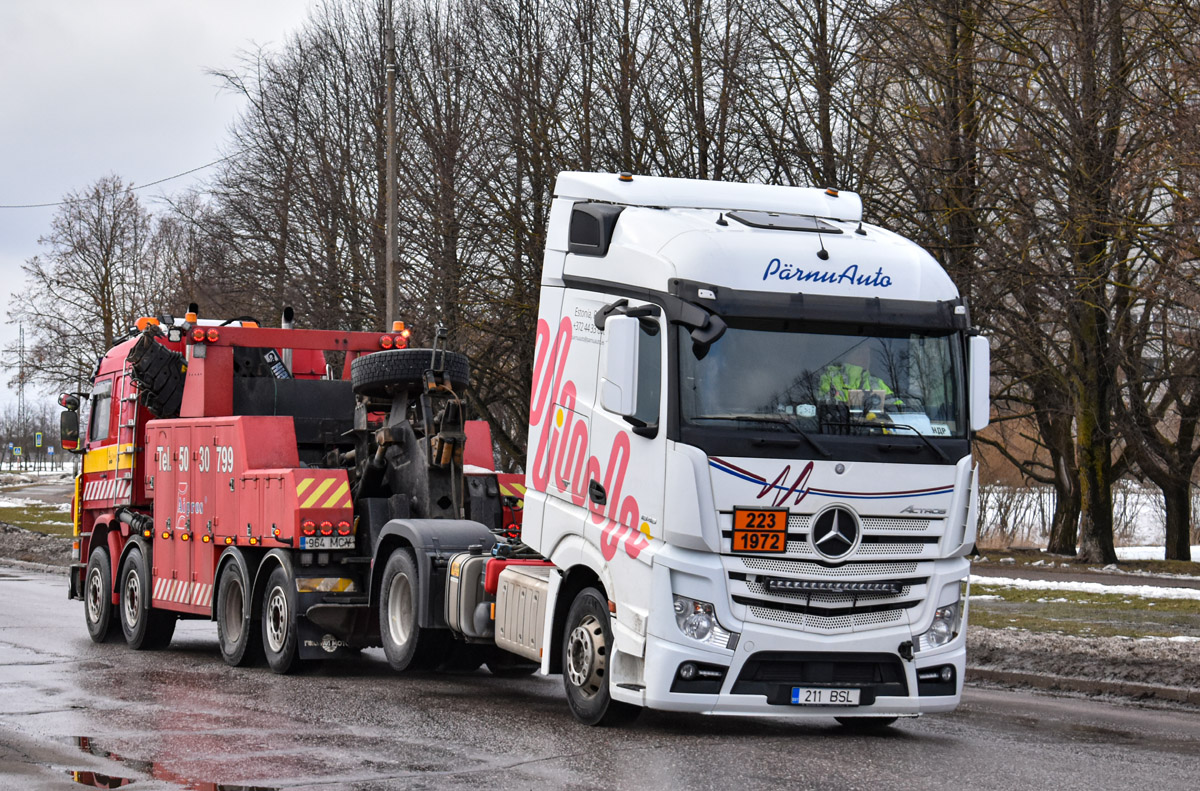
(625, 175)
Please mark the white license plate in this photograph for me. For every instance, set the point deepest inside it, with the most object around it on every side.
(819, 696)
(327, 542)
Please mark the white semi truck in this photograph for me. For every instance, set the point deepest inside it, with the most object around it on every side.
(749, 487)
(749, 454)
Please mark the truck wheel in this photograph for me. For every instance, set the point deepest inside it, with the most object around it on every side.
(587, 645)
(865, 724)
(97, 597)
(407, 645)
(381, 373)
(279, 622)
(237, 630)
(144, 627)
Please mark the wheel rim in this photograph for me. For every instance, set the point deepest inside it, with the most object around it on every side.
(95, 603)
(131, 601)
(277, 619)
(400, 609)
(587, 656)
(232, 609)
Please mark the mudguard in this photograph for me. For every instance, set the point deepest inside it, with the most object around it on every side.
(433, 541)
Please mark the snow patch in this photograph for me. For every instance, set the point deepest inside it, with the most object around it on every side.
(1149, 553)
(1143, 591)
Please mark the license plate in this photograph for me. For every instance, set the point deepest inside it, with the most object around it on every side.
(760, 529)
(819, 696)
(327, 542)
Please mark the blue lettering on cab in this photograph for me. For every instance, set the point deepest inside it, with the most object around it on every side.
(784, 272)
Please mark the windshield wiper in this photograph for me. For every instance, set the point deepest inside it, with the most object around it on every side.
(924, 439)
(781, 420)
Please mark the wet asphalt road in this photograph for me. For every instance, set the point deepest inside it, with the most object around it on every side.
(181, 719)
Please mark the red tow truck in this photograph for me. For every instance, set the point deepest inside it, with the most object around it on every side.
(276, 480)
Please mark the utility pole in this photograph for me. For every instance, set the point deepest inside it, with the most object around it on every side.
(21, 390)
(390, 191)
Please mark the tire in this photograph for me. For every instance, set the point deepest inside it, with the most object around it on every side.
(382, 374)
(279, 639)
(505, 664)
(97, 597)
(406, 644)
(587, 645)
(145, 628)
(238, 631)
(866, 724)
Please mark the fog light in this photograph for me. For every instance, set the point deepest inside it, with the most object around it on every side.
(947, 673)
(687, 671)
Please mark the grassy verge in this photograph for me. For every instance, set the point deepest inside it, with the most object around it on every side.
(1031, 556)
(38, 517)
(1083, 614)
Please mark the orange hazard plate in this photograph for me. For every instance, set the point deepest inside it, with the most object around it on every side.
(760, 530)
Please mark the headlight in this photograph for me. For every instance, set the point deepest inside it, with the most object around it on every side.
(947, 621)
(698, 620)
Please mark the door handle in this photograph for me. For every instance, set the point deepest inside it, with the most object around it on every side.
(596, 493)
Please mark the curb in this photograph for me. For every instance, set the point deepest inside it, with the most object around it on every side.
(1125, 689)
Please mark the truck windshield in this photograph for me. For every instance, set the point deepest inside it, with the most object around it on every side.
(894, 382)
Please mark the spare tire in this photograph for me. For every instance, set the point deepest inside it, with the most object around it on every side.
(383, 373)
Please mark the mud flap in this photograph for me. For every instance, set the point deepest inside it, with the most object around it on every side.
(315, 641)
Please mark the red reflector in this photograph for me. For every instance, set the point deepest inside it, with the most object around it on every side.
(385, 341)
(327, 528)
(343, 528)
(213, 335)
(308, 527)
(198, 335)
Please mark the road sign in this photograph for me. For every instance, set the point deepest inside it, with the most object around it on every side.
(17, 451)
(50, 450)
(37, 439)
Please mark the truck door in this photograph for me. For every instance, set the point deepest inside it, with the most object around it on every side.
(628, 455)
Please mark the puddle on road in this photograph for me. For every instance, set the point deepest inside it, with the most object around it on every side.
(155, 770)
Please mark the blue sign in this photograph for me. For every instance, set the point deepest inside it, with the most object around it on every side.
(17, 451)
(50, 450)
(37, 439)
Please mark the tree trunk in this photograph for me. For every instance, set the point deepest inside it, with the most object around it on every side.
(1095, 484)
(1178, 499)
(1064, 528)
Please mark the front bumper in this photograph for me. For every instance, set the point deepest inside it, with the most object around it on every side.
(761, 673)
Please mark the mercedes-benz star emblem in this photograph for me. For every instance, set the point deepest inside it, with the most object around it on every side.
(835, 533)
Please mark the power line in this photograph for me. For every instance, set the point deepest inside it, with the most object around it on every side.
(131, 189)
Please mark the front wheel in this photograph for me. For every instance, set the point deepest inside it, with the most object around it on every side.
(406, 644)
(587, 648)
(97, 597)
(144, 627)
(279, 638)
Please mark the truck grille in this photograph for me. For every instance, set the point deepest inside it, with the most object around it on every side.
(892, 550)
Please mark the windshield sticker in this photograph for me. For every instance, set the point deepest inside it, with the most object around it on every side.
(561, 450)
(780, 271)
(780, 490)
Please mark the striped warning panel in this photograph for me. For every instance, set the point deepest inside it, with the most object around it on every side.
(318, 492)
(114, 488)
(513, 490)
(183, 592)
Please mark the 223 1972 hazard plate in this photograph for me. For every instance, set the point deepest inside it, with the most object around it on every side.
(760, 529)
(327, 542)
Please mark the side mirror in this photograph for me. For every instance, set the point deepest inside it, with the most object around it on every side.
(619, 365)
(980, 366)
(68, 430)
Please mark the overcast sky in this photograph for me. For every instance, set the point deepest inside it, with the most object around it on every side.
(91, 87)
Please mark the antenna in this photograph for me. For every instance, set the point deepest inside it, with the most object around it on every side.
(823, 254)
